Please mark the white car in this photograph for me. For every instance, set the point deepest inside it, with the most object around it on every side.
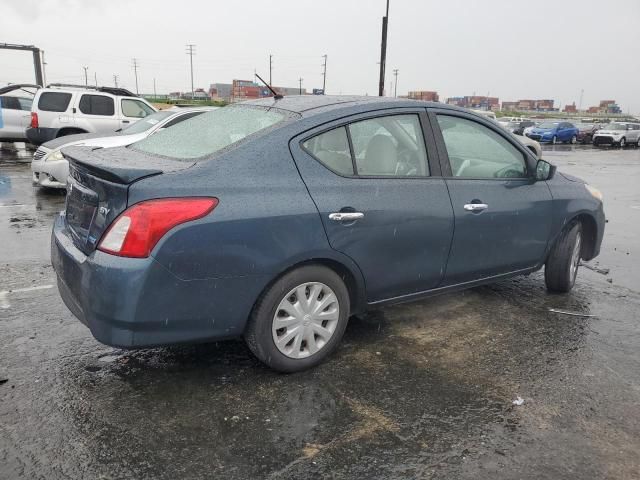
(618, 133)
(61, 110)
(15, 111)
(50, 168)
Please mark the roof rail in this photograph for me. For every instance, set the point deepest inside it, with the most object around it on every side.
(112, 90)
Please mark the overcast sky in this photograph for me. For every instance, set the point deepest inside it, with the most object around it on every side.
(510, 49)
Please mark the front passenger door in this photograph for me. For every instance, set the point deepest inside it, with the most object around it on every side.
(502, 216)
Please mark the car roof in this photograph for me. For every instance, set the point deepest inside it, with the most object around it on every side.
(308, 105)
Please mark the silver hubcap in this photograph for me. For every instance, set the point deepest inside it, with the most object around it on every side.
(305, 320)
(575, 257)
(622, 142)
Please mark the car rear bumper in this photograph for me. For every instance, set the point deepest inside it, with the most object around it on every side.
(52, 173)
(38, 136)
(136, 302)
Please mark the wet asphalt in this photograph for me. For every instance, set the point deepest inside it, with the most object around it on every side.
(422, 390)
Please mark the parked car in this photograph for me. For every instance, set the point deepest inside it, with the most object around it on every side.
(554, 132)
(50, 169)
(618, 133)
(504, 121)
(529, 129)
(15, 111)
(61, 109)
(586, 131)
(517, 127)
(276, 220)
(532, 145)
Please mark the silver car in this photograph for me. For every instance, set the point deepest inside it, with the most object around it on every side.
(50, 168)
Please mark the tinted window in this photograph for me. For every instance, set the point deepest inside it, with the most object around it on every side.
(135, 108)
(389, 146)
(96, 105)
(476, 151)
(10, 103)
(212, 131)
(25, 103)
(54, 101)
(332, 150)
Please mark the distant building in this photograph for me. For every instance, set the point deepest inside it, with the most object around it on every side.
(605, 106)
(220, 91)
(424, 95)
(570, 108)
(530, 105)
(476, 102)
(509, 105)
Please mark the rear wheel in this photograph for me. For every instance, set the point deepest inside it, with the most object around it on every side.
(623, 142)
(299, 320)
(554, 140)
(561, 268)
(574, 139)
(638, 143)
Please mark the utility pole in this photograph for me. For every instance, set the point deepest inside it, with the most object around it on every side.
(324, 74)
(581, 94)
(383, 52)
(300, 82)
(115, 81)
(270, 68)
(155, 95)
(86, 80)
(395, 74)
(135, 70)
(44, 73)
(190, 51)
(95, 76)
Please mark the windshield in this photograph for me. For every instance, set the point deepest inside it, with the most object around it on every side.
(547, 125)
(211, 131)
(616, 126)
(146, 123)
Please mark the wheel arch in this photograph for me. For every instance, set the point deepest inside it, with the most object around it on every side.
(589, 234)
(62, 132)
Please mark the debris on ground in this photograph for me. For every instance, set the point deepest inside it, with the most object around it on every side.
(518, 401)
(3, 381)
(602, 271)
(575, 314)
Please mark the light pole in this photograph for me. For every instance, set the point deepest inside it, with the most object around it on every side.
(383, 52)
(395, 74)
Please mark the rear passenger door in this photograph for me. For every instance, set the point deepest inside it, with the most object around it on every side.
(380, 197)
(98, 111)
(502, 215)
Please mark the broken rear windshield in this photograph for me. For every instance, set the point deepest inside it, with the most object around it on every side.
(212, 131)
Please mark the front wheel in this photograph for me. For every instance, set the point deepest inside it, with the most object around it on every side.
(623, 142)
(299, 320)
(574, 139)
(561, 268)
(554, 140)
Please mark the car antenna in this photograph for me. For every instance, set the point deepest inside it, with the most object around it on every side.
(277, 96)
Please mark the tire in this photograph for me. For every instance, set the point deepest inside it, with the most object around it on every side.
(561, 268)
(554, 140)
(317, 284)
(574, 139)
(623, 142)
(638, 143)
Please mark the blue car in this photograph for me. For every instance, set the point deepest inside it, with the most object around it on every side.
(277, 219)
(554, 132)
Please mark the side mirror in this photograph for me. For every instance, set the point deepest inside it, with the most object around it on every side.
(544, 170)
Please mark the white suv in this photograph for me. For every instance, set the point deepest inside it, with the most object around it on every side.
(618, 133)
(61, 109)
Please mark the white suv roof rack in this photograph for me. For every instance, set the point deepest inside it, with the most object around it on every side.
(123, 92)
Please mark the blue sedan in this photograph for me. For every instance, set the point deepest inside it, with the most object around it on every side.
(277, 219)
(554, 132)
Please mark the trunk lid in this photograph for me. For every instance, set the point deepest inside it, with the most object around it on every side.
(98, 185)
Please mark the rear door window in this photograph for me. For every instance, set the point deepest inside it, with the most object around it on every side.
(332, 150)
(54, 101)
(135, 108)
(10, 103)
(97, 105)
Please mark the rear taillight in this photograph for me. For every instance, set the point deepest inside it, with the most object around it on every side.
(137, 230)
(34, 120)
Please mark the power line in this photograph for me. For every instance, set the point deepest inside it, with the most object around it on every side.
(190, 51)
(324, 74)
(135, 71)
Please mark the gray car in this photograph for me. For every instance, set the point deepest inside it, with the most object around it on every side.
(276, 220)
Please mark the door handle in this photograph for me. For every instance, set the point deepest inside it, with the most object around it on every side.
(125, 121)
(475, 207)
(345, 216)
